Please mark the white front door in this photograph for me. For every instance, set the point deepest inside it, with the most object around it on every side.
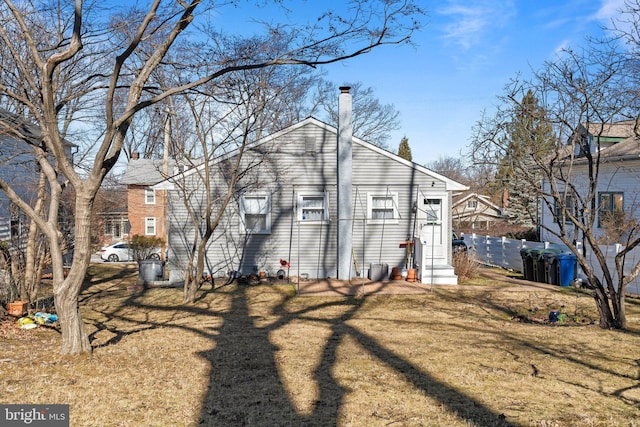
(432, 232)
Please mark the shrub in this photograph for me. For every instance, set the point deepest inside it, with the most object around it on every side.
(143, 246)
(465, 265)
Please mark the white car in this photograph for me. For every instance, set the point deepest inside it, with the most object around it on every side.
(122, 252)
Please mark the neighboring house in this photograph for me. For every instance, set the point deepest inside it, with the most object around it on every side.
(474, 211)
(330, 204)
(19, 168)
(111, 221)
(146, 206)
(618, 188)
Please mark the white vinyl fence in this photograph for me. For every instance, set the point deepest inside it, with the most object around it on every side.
(505, 253)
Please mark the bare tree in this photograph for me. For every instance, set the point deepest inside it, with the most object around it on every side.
(451, 167)
(582, 91)
(115, 75)
(373, 121)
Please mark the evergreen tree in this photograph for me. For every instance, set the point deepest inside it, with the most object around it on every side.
(404, 150)
(530, 140)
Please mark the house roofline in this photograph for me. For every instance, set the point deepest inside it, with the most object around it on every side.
(450, 184)
(484, 199)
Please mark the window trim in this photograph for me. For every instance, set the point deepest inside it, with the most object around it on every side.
(439, 213)
(394, 207)
(242, 211)
(613, 204)
(120, 223)
(147, 220)
(570, 206)
(149, 192)
(472, 204)
(325, 207)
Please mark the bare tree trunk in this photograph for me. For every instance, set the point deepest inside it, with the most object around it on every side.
(32, 263)
(66, 290)
(74, 336)
(607, 320)
(193, 284)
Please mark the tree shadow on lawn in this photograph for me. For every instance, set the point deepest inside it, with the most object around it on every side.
(245, 387)
(245, 384)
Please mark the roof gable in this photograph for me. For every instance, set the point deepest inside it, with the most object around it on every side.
(450, 184)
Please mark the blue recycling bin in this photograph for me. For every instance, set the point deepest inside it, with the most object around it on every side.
(527, 263)
(566, 268)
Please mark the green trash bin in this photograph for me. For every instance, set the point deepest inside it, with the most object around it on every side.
(538, 265)
(527, 263)
(549, 258)
(566, 268)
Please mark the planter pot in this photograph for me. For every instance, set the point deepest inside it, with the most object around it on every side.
(396, 274)
(17, 308)
(411, 275)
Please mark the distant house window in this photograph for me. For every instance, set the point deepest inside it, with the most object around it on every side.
(313, 207)
(569, 206)
(255, 213)
(382, 208)
(611, 207)
(472, 204)
(149, 196)
(150, 226)
(116, 227)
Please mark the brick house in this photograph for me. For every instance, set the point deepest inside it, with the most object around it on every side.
(111, 216)
(146, 207)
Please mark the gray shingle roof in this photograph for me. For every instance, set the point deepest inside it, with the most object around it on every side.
(146, 172)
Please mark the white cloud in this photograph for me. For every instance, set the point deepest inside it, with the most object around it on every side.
(609, 9)
(469, 21)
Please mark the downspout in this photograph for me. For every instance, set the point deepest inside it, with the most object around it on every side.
(344, 170)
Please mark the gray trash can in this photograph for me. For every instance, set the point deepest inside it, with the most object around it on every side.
(150, 270)
(378, 272)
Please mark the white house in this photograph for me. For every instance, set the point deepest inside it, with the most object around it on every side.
(330, 204)
(618, 182)
(475, 211)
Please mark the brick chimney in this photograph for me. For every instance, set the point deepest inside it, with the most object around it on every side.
(345, 201)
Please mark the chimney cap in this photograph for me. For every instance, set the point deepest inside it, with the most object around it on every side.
(345, 89)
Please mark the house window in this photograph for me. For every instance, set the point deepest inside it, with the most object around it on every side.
(255, 213)
(472, 204)
(611, 207)
(569, 206)
(150, 226)
(313, 207)
(116, 227)
(382, 208)
(149, 196)
(433, 210)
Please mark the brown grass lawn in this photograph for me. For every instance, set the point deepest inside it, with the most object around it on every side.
(260, 356)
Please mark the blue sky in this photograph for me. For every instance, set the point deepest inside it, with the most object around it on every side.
(464, 56)
(466, 53)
